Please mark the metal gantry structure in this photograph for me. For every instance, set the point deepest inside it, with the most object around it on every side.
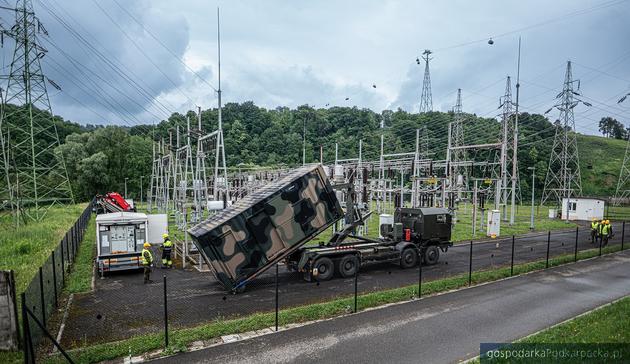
(35, 178)
(623, 186)
(426, 100)
(563, 173)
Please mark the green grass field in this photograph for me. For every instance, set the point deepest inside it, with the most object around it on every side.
(80, 277)
(600, 163)
(26, 249)
(609, 324)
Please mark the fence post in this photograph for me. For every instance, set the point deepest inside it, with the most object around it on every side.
(165, 315)
(356, 279)
(623, 233)
(577, 230)
(12, 291)
(512, 260)
(27, 346)
(419, 275)
(65, 242)
(277, 303)
(76, 241)
(63, 268)
(52, 256)
(41, 295)
(548, 243)
(470, 265)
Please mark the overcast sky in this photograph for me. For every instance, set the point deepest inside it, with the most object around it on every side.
(288, 53)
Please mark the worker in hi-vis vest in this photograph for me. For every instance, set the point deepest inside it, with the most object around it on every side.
(167, 248)
(147, 262)
(606, 232)
(594, 230)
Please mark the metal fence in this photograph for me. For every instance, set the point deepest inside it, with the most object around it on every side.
(41, 297)
(122, 306)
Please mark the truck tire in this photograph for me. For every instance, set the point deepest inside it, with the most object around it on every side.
(408, 258)
(431, 255)
(325, 268)
(348, 266)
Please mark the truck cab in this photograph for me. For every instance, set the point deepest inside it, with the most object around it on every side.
(409, 237)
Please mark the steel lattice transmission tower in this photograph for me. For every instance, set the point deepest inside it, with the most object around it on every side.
(456, 155)
(563, 173)
(623, 189)
(426, 100)
(506, 154)
(35, 178)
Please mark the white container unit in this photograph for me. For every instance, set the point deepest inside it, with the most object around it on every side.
(120, 237)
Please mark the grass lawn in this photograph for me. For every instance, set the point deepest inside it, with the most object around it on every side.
(179, 339)
(26, 249)
(80, 277)
(609, 324)
(604, 156)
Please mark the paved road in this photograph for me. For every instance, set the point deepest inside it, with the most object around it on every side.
(438, 329)
(121, 306)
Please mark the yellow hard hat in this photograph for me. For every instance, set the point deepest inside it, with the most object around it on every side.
(607, 221)
(165, 235)
(594, 219)
(147, 245)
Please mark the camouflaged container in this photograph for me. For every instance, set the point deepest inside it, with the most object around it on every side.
(247, 238)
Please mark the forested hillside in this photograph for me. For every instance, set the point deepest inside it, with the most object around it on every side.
(100, 158)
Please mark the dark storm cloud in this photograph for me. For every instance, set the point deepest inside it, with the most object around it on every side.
(100, 83)
(279, 53)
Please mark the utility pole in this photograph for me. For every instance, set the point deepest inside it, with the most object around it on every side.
(564, 153)
(426, 100)
(304, 143)
(220, 148)
(35, 178)
(531, 221)
(515, 139)
(126, 188)
(141, 177)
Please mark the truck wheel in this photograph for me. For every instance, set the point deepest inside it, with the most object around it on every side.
(431, 255)
(408, 258)
(348, 266)
(325, 268)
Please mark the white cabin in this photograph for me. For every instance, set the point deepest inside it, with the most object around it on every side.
(582, 208)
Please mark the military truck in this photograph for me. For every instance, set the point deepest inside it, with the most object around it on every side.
(247, 238)
(414, 235)
(274, 223)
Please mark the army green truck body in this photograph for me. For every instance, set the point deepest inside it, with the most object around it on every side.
(415, 236)
(244, 240)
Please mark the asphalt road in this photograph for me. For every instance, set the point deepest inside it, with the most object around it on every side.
(121, 306)
(439, 329)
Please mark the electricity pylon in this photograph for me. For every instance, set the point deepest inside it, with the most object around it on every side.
(506, 156)
(457, 155)
(563, 173)
(623, 190)
(426, 100)
(35, 178)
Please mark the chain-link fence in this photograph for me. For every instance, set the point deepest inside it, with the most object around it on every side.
(122, 306)
(42, 294)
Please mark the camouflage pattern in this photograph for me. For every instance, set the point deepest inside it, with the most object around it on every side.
(247, 238)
